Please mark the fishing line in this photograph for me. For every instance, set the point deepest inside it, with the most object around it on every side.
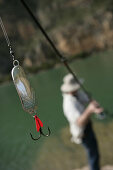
(5, 33)
(61, 57)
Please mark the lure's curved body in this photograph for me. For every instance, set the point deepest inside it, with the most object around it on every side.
(24, 89)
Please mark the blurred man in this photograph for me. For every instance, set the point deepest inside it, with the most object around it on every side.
(78, 110)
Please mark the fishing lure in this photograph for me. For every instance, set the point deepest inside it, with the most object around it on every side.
(24, 90)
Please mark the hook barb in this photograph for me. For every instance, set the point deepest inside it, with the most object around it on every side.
(41, 133)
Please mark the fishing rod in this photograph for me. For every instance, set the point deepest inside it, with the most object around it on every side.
(60, 56)
(24, 90)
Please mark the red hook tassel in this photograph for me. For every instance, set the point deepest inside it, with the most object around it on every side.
(38, 122)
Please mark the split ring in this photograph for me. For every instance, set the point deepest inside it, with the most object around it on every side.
(15, 63)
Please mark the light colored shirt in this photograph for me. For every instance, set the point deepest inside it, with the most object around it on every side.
(73, 108)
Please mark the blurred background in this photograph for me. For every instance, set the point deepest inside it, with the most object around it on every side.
(82, 30)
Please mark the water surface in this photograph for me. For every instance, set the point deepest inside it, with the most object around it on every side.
(17, 150)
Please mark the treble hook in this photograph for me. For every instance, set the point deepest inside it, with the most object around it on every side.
(41, 133)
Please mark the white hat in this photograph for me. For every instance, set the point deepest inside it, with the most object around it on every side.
(69, 84)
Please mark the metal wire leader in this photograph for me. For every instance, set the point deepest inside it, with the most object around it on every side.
(15, 62)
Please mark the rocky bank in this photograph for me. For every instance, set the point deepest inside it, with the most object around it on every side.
(76, 27)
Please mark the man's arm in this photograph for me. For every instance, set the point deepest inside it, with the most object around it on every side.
(93, 107)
